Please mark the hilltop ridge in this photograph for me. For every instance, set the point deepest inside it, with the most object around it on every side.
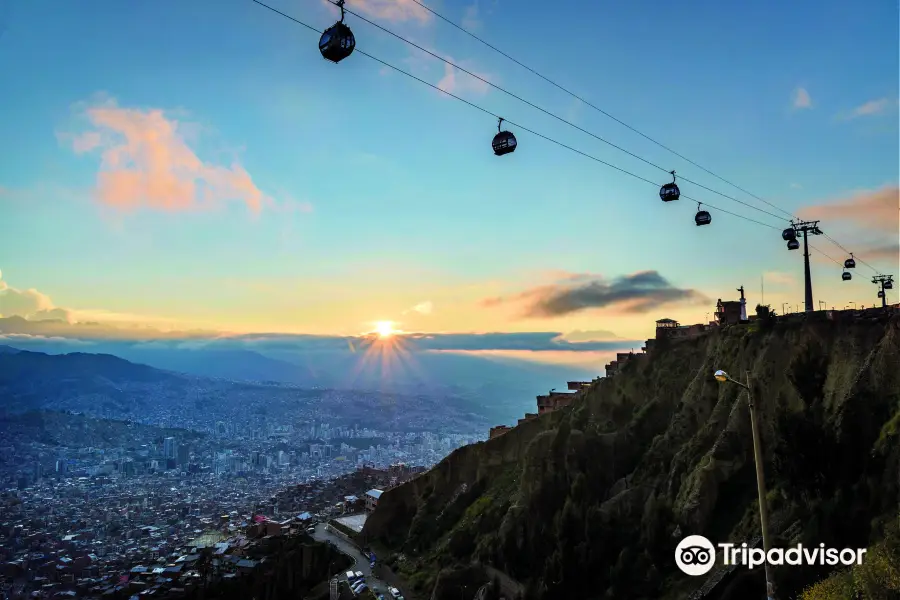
(595, 497)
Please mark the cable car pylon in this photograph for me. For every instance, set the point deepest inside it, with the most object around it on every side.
(806, 228)
(886, 282)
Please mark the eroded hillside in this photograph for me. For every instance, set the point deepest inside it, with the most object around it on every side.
(591, 501)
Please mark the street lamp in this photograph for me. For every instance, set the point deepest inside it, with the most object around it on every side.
(721, 376)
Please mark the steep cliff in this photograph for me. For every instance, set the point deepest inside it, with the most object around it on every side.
(591, 501)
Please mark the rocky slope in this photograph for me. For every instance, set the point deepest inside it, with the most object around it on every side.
(591, 501)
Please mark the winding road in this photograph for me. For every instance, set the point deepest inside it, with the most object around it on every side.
(324, 533)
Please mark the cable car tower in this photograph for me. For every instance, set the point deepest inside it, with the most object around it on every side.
(887, 283)
(807, 228)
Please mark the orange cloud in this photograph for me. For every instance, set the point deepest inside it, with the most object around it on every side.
(878, 210)
(147, 163)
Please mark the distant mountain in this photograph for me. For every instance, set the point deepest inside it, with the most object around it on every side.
(106, 386)
(76, 367)
(32, 379)
(239, 365)
(500, 389)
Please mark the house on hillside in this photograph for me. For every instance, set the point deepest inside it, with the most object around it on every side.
(498, 430)
(372, 497)
(553, 401)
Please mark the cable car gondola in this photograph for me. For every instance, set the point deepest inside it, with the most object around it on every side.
(789, 234)
(880, 294)
(793, 244)
(888, 285)
(846, 276)
(670, 191)
(850, 263)
(504, 142)
(702, 217)
(337, 42)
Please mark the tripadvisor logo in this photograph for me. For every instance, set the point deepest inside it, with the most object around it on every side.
(695, 555)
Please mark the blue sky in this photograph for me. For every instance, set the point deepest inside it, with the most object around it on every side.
(385, 194)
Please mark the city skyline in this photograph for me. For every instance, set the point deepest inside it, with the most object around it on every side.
(201, 167)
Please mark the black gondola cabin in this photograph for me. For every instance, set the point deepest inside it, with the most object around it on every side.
(702, 218)
(846, 276)
(789, 234)
(888, 285)
(793, 244)
(670, 191)
(337, 43)
(504, 142)
(850, 263)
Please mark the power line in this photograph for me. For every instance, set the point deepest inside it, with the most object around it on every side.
(617, 120)
(518, 125)
(597, 108)
(542, 136)
(550, 113)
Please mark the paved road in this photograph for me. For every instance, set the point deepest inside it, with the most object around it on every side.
(326, 534)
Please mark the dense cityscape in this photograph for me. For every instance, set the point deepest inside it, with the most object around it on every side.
(86, 499)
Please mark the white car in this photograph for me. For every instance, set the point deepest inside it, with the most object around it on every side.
(359, 589)
(395, 593)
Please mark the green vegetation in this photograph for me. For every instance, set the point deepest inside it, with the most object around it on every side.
(877, 578)
(597, 496)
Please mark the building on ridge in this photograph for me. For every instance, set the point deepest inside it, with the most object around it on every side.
(498, 430)
(372, 498)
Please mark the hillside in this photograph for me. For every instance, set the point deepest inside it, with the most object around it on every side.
(591, 501)
(102, 385)
(496, 388)
(30, 380)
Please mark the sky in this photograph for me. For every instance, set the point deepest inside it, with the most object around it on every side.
(198, 165)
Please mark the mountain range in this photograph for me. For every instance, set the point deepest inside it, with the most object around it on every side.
(500, 389)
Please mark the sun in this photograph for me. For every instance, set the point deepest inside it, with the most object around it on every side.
(385, 329)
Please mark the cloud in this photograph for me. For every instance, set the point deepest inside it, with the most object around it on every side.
(29, 304)
(452, 80)
(877, 210)
(890, 251)
(802, 98)
(871, 108)
(423, 308)
(390, 10)
(779, 278)
(146, 163)
(471, 19)
(589, 336)
(456, 82)
(637, 293)
(284, 345)
(31, 312)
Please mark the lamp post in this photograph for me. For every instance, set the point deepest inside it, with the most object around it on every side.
(722, 376)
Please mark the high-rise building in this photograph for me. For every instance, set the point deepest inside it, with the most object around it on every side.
(170, 447)
(183, 454)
